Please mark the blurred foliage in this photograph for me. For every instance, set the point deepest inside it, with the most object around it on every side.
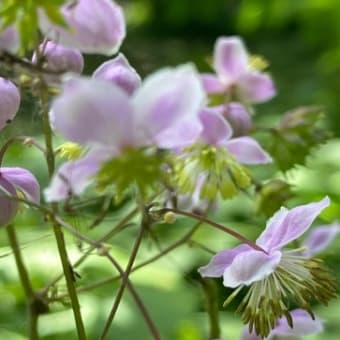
(301, 40)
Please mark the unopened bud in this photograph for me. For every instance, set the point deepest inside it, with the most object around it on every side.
(9, 39)
(9, 102)
(169, 217)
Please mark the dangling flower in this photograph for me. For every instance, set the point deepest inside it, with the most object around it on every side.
(235, 76)
(94, 26)
(11, 181)
(119, 72)
(59, 59)
(302, 323)
(9, 102)
(120, 129)
(275, 276)
(9, 39)
(215, 160)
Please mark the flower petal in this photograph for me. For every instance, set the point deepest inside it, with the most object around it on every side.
(215, 127)
(319, 239)
(303, 324)
(256, 87)
(247, 150)
(167, 98)
(8, 207)
(211, 83)
(94, 26)
(219, 262)
(24, 181)
(250, 266)
(9, 102)
(238, 117)
(120, 72)
(93, 111)
(73, 177)
(9, 39)
(287, 225)
(230, 58)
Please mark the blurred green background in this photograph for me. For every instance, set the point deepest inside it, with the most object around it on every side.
(301, 40)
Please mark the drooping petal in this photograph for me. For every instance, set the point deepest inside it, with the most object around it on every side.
(230, 58)
(238, 117)
(94, 26)
(120, 72)
(303, 324)
(219, 262)
(93, 111)
(211, 83)
(72, 178)
(256, 87)
(247, 150)
(319, 239)
(215, 127)
(9, 39)
(24, 181)
(250, 266)
(9, 102)
(8, 207)
(287, 225)
(60, 59)
(167, 98)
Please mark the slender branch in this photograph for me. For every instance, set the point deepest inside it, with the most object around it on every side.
(25, 282)
(67, 269)
(138, 241)
(215, 225)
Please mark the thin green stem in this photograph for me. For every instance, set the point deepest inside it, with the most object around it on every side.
(67, 269)
(127, 272)
(25, 282)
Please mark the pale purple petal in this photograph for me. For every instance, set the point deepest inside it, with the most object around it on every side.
(287, 225)
(167, 98)
(319, 239)
(93, 111)
(72, 178)
(250, 266)
(247, 150)
(9, 39)
(256, 87)
(59, 59)
(303, 324)
(9, 102)
(238, 117)
(119, 72)
(8, 207)
(211, 83)
(24, 181)
(184, 133)
(215, 127)
(94, 26)
(245, 335)
(230, 58)
(219, 262)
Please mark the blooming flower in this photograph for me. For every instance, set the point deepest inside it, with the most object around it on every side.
(94, 26)
(98, 114)
(302, 324)
(120, 72)
(60, 59)
(9, 102)
(274, 275)
(235, 77)
(214, 161)
(11, 181)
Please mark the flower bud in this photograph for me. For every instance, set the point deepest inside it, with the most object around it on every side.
(9, 102)
(93, 26)
(119, 72)
(60, 59)
(8, 207)
(169, 217)
(9, 39)
(238, 117)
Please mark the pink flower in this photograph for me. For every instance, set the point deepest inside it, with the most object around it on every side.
(9, 102)
(234, 75)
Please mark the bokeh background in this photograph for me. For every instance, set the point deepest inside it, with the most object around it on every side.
(301, 41)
